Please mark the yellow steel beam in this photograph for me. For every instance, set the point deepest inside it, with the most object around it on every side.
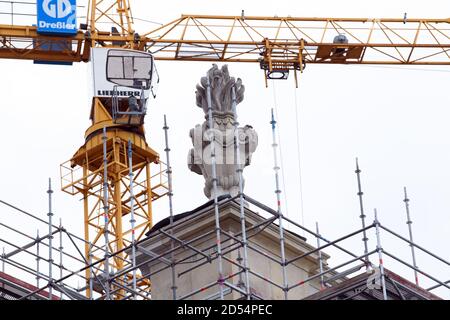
(268, 39)
(23, 42)
(246, 39)
(317, 19)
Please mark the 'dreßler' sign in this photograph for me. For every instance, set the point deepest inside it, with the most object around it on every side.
(56, 17)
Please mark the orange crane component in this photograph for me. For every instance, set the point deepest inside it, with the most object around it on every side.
(246, 39)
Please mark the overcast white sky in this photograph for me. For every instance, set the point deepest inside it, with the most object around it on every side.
(395, 120)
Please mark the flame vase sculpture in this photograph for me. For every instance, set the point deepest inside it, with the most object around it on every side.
(223, 102)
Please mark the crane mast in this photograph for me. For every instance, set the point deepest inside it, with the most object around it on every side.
(117, 13)
(113, 170)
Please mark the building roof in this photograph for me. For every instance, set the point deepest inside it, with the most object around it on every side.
(12, 288)
(358, 288)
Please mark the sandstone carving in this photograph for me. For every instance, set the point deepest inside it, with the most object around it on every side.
(227, 160)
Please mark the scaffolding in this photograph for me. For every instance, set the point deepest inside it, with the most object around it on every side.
(63, 286)
(39, 257)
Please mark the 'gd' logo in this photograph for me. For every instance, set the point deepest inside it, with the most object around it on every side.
(61, 9)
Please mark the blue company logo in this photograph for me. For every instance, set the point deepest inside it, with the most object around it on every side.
(56, 16)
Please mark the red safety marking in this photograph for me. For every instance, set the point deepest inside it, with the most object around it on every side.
(381, 261)
(301, 282)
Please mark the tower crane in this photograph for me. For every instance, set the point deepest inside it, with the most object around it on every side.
(98, 171)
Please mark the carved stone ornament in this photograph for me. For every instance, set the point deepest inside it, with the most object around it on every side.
(222, 134)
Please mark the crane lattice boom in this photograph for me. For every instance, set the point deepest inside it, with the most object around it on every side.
(280, 41)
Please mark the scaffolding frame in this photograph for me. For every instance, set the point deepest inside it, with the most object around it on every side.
(230, 243)
(116, 182)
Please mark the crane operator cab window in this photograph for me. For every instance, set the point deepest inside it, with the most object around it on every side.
(133, 74)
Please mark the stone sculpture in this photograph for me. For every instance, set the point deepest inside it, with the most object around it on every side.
(222, 134)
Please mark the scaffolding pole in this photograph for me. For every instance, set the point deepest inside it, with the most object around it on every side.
(85, 260)
(60, 253)
(35, 241)
(241, 193)
(50, 238)
(441, 283)
(409, 223)
(27, 269)
(328, 244)
(380, 255)
(415, 245)
(170, 194)
(214, 182)
(276, 169)
(320, 257)
(329, 270)
(42, 221)
(3, 264)
(38, 258)
(362, 215)
(105, 212)
(91, 270)
(132, 220)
